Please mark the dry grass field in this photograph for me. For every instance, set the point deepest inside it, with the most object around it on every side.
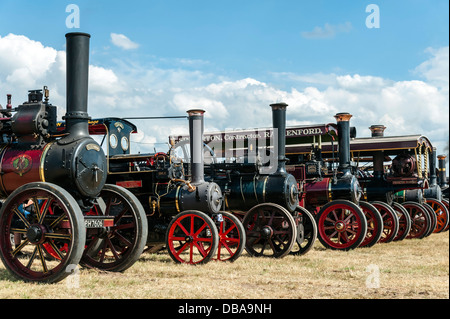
(410, 269)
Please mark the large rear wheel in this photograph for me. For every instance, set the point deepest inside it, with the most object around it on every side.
(118, 246)
(48, 230)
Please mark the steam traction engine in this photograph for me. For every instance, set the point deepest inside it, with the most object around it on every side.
(182, 209)
(265, 197)
(396, 185)
(334, 197)
(57, 210)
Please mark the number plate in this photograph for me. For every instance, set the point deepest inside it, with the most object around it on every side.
(93, 223)
(98, 222)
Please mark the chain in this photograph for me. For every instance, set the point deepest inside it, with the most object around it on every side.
(419, 162)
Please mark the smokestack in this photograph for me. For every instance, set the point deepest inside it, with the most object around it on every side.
(377, 130)
(8, 102)
(442, 172)
(196, 145)
(343, 126)
(433, 176)
(77, 71)
(378, 157)
(279, 125)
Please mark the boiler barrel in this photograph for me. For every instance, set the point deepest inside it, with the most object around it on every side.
(244, 192)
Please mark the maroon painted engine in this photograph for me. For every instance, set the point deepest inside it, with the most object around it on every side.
(34, 154)
(57, 208)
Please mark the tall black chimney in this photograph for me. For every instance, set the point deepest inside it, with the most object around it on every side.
(433, 176)
(77, 71)
(196, 145)
(442, 172)
(343, 126)
(279, 125)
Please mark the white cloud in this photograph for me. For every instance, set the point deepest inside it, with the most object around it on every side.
(123, 42)
(19, 66)
(405, 107)
(436, 69)
(327, 31)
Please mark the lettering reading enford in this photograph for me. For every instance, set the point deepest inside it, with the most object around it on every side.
(226, 308)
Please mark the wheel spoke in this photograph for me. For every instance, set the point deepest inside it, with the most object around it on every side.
(44, 210)
(19, 247)
(58, 236)
(22, 217)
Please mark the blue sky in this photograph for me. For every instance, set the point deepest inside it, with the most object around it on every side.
(248, 38)
(237, 57)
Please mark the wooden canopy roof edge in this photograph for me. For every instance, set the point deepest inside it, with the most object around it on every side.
(369, 144)
(397, 142)
(99, 126)
(293, 131)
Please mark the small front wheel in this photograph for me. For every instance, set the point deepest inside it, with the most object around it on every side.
(192, 238)
(342, 225)
(421, 220)
(390, 221)
(374, 224)
(271, 231)
(231, 237)
(306, 231)
(441, 213)
(404, 221)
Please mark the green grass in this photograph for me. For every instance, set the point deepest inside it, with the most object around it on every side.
(407, 269)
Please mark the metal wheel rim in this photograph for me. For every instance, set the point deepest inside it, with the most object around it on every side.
(270, 231)
(56, 248)
(340, 226)
(190, 238)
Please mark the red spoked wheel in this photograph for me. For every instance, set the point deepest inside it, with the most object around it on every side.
(306, 231)
(231, 237)
(341, 225)
(192, 238)
(270, 229)
(49, 234)
(390, 221)
(446, 204)
(374, 224)
(404, 221)
(118, 246)
(441, 213)
(433, 218)
(420, 219)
